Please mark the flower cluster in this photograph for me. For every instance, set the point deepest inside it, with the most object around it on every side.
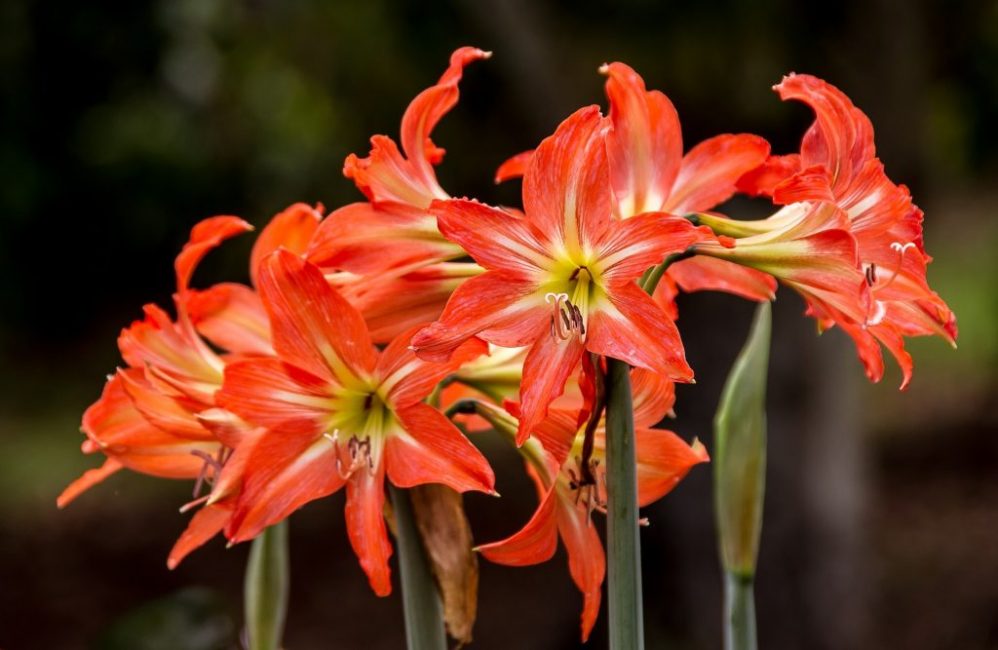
(332, 368)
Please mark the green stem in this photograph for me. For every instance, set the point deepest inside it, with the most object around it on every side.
(266, 588)
(649, 282)
(424, 623)
(739, 612)
(623, 543)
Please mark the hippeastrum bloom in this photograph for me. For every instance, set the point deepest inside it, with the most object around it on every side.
(808, 246)
(838, 163)
(146, 419)
(394, 228)
(561, 278)
(649, 173)
(339, 412)
(571, 487)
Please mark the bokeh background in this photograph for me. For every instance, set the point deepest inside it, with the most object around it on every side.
(124, 123)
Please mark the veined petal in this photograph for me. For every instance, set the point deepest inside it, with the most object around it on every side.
(231, 316)
(291, 229)
(407, 379)
(586, 559)
(385, 175)
(645, 146)
(368, 238)
(566, 189)
(366, 526)
(274, 394)
(503, 308)
(710, 171)
(712, 274)
(312, 325)
(514, 167)
(175, 415)
(633, 328)
(548, 365)
(536, 542)
(629, 247)
(664, 459)
(841, 138)
(156, 341)
(425, 111)
(653, 397)
(205, 236)
(496, 239)
(432, 450)
(87, 480)
(205, 524)
(762, 181)
(282, 473)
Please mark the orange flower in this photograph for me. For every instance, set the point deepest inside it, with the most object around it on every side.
(338, 412)
(562, 277)
(569, 492)
(837, 163)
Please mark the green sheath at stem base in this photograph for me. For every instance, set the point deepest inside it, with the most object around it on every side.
(266, 588)
(739, 612)
(623, 543)
(424, 623)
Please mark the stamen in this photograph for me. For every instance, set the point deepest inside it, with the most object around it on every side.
(879, 306)
(210, 463)
(566, 317)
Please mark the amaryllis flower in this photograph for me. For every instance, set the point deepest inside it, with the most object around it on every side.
(837, 163)
(147, 417)
(561, 278)
(394, 227)
(569, 492)
(649, 173)
(339, 412)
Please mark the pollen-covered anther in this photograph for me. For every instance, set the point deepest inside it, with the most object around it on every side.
(360, 456)
(566, 317)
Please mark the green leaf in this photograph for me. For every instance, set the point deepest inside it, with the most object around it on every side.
(740, 451)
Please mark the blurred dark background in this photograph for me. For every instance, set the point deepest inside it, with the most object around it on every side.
(124, 123)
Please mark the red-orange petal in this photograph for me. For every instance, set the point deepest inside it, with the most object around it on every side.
(710, 171)
(513, 167)
(205, 236)
(313, 326)
(664, 459)
(205, 524)
(536, 542)
(290, 229)
(433, 450)
(231, 316)
(366, 526)
(87, 480)
(547, 367)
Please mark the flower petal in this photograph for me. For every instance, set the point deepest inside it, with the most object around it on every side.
(87, 480)
(205, 524)
(407, 379)
(547, 367)
(205, 236)
(712, 274)
(566, 189)
(664, 459)
(762, 181)
(368, 238)
(282, 473)
(291, 229)
(645, 146)
(366, 526)
(312, 325)
(433, 450)
(629, 247)
(277, 395)
(586, 559)
(710, 171)
(231, 316)
(536, 542)
(495, 239)
(503, 308)
(653, 397)
(514, 167)
(633, 328)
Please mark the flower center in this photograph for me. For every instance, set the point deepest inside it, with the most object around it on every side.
(362, 425)
(570, 307)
